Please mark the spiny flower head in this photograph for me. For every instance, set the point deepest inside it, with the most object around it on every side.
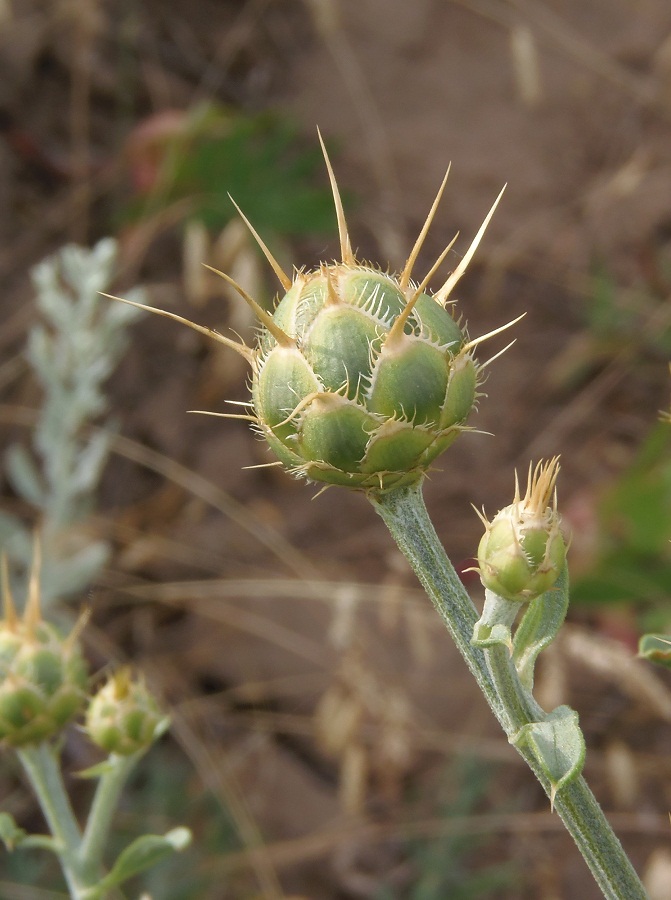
(523, 549)
(43, 675)
(123, 716)
(359, 377)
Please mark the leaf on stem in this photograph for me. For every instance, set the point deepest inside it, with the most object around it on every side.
(144, 853)
(539, 627)
(558, 745)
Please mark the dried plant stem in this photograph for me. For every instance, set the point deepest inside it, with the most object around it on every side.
(406, 517)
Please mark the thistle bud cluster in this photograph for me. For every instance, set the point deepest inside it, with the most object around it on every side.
(523, 549)
(43, 675)
(359, 378)
(44, 684)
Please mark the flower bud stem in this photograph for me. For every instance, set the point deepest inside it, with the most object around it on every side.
(104, 805)
(80, 855)
(406, 517)
(40, 764)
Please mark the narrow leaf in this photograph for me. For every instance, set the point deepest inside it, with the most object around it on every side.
(145, 852)
(24, 476)
(656, 648)
(10, 833)
(538, 628)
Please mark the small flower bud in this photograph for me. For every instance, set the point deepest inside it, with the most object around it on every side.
(523, 550)
(123, 716)
(43, 675)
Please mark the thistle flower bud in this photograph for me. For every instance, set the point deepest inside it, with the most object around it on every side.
(523, 550)
(360, 378)
(43, 675)
(123, 716)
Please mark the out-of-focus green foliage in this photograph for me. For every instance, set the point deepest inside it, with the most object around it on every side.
(629, 324)
(633, 564)
(259, 160)
(455, 865)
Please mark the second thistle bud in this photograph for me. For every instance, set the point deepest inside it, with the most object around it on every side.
(523, 549)
(123, 716)
(43, 675)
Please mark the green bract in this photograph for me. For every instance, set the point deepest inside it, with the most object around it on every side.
(364, 392)
(43, 675)
(523, 549)
(360, 378)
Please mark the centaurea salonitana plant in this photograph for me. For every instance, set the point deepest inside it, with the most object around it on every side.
(362, 379)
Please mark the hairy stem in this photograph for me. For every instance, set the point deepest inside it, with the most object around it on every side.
(405, 515)
(104, 805)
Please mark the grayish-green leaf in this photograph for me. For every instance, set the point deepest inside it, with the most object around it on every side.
(24, 476)
(558, 744)
(144, 853)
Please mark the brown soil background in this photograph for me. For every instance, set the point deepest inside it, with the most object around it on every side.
(569, 103)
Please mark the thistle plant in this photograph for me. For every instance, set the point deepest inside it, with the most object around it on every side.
(44, 687)
(362, 379)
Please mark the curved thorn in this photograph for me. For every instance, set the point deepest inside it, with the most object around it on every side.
(264, 317)
(404, 280)
(396, 329)
(31, 614)
(80, 625)
(285, 281)
(345, 245)
(432, 271)
(444, 292)
(222, 415)
(438, 263)
(11, 619)
(268, 465)
(313, 395)
(491, 359)
(333, 299)
(485, 337)
(483, 518)
(242, 349)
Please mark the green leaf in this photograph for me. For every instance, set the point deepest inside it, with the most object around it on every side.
(558, 745)
(10, 833)
(144, 853)
(656, 648)
(539, 627)
(12, 836)
(98, 770)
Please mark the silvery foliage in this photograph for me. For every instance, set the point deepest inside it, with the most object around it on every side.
(72, 350)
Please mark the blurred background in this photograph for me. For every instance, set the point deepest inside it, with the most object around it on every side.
(327, 740)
